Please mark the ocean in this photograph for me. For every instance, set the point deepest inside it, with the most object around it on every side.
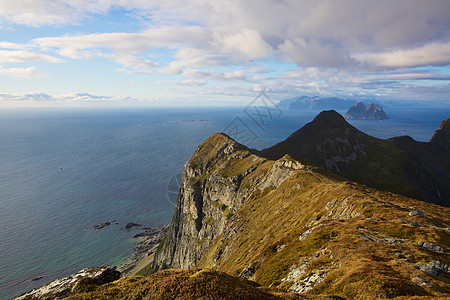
(64, 170)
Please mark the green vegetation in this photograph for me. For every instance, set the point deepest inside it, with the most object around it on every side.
(180, 284)
(163, 242)
(350, 214)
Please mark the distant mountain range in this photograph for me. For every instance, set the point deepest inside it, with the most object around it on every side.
(316, 103)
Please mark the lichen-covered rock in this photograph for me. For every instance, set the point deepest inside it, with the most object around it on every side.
(434, 267)
(430, 246)
(416, 212)
(62, 287)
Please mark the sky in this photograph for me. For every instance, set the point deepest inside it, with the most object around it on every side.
(173, 52)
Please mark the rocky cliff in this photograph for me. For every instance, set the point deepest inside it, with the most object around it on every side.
(210, 193)
(370, 111)
(287, 224)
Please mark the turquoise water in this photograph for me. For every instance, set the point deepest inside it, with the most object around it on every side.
(65, 170)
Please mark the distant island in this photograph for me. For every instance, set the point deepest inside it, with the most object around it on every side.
(370, 111)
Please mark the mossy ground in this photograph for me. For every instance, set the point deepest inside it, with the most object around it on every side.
(181, 284)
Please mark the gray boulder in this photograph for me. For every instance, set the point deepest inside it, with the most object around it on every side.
(416, 212)
(430, 246)
(434, 267)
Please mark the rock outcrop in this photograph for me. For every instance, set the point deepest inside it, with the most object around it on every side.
(370, 111)
(60, 288)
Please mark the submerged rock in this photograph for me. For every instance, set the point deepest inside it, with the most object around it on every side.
(101, 225)
(131, 225)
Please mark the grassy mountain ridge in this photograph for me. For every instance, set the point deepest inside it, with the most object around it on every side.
(287, 224)
(358, 245)
(410, 168)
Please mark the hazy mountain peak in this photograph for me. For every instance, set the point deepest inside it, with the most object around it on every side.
(370, 111)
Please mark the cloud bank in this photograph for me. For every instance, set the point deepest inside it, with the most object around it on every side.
(335, 47)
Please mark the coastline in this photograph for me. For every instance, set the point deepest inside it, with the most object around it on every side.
(144, 251)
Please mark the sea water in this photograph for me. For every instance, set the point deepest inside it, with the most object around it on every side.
(64, 170)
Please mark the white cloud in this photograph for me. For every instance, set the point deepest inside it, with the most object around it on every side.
(83, 97)
(40, 97)
(76, 99)
(15, 56)
(313, 53)
(8, 45)
(246, 75)
(133, 64)
(247, 42)
(187, 82)
(125, 43)
(194, 57)
(434, 54)
(28, 72)
(43, 12)
(308, 33)
(338, 46)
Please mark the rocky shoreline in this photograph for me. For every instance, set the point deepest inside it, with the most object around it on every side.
(147, 245)
(149, 240)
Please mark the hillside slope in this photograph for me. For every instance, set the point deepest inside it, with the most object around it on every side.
(413, 169)
(183, 284)
(286, 224)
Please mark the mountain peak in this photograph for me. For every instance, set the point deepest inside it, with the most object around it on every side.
(329, 117)
(216, 146)
(441, 136)
(331, 143)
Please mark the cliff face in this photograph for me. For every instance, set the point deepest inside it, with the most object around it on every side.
(219, 178)
(206, 200)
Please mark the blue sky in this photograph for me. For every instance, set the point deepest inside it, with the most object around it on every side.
(173, 52)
